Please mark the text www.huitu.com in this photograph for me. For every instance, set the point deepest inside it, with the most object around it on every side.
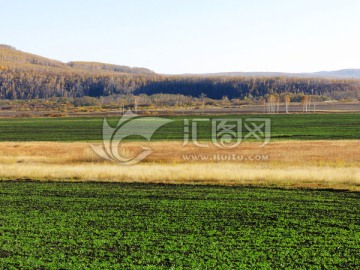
(226, 157)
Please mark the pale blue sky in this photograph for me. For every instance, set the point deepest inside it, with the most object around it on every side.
(190, 36)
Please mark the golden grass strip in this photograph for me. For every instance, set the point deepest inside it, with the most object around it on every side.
(218, 174)
(342, 153)
(312, 164)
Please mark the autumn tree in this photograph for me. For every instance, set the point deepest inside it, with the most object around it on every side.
(287, 101)
(272, 101)
(203, 96)
(305, 101)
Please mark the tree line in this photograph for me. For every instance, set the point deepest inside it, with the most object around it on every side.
(30, 84)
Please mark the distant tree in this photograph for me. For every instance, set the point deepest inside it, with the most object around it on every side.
(203, 96)
(225, 101)
(305, 101)
(136, 103)
(314, 99)
(272, 100)
(287, 101)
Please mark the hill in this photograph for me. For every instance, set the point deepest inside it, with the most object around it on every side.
(11, 58)
(28, 76)
(94, 66)
(337, 74)
(344, 73)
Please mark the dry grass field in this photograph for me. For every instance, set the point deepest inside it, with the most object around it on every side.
(308, 164)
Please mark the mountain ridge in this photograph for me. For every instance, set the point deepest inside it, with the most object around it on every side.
(336, 74)
(12, 58)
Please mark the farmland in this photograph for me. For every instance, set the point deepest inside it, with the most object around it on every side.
(293, 127)
(109, 226)
(306, 150)
(70, 209)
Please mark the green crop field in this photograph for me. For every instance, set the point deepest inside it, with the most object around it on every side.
(299, 127)
(126, 226)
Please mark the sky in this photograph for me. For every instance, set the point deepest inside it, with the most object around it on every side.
(189, 36)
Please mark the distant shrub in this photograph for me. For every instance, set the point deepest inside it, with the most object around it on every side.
(26, 115)
(87, 101)
(55, 115)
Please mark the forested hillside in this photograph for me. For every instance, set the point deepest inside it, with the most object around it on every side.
(94, 66)
(252, 87)
(27, 76)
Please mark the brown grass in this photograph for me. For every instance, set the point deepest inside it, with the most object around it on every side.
(311, 164)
